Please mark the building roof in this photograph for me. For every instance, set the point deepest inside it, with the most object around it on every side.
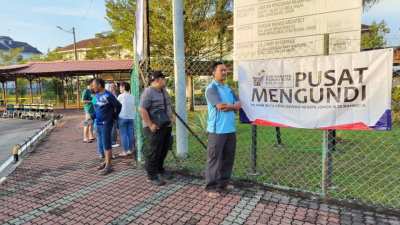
(12, 67)
(9, 43)
(84, 44)
(27, 47)
(3, 47)
(364, 27)
(5, 38)
(82, 67)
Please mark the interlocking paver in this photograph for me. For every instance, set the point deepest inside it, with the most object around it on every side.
(58, 184)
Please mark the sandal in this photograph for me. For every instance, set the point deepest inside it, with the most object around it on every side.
(102, 166)
(227, 187)
(92, 139)
(129, 153)
(106, 171)
(212, 194)
(123, 154)
(87, 141)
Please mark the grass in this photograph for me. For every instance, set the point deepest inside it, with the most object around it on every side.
(365, 167)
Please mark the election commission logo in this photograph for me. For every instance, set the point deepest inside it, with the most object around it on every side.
(259, 78)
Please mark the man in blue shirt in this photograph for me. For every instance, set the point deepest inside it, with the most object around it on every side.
(222, 103)
(105, 116)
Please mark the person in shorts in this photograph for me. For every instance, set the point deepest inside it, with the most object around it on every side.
(89, 109)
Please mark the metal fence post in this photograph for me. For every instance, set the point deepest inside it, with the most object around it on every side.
(180, 81)
(328, 144)
(278, 135)
(254, 149)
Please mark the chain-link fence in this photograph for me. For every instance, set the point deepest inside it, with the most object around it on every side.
(364, 164)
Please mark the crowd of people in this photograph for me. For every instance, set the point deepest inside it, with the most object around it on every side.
(110, 109)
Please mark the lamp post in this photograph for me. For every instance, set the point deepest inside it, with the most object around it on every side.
(76, 58)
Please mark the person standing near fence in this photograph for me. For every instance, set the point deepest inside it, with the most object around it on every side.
(107, 112)
(222, 103)
(89, 109)
(153, 99)
(126, 119)
(115, 92)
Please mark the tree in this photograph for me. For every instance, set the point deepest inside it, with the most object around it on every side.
(121, 17)
(376, 36)
(109, 47)
(205, 31)
(367, 4)
(94, 52)
(11, 57)
(49, 56)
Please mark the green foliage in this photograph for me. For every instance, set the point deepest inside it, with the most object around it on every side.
(109, 47)
(200, 99)
(205, 26)
(200, 123)
(54, 55)
(367, 4)
(376, 37)
(53, 85)
(10, 58)
(121, 17)
(95, 52)
(49, 56)
(233, 84)
(395, 104)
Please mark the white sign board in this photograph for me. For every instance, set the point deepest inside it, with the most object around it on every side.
(266, 29)
(344, 91)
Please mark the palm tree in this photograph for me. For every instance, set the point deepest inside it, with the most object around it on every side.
(367, 4)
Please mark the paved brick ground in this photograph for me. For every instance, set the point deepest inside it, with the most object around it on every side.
(59, 184)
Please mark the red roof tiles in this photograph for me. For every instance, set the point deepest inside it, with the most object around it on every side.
(12, 67)
(77, 66)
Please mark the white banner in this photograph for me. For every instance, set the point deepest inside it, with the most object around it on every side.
(345, 91)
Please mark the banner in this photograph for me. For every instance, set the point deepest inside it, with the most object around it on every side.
(344, 91)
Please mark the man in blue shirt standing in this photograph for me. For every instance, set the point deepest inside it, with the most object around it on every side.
(105, 116)
(222, 103)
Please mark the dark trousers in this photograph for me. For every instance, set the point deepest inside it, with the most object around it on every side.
(220, 158)
(157, 149)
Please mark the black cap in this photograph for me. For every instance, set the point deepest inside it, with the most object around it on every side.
(157, 74)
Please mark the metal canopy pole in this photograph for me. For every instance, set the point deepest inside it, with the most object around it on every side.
(66, 83)
(78, 103)
(63, 91)
(30, 87)
(16, 90)
(4, 92)
(40, 91)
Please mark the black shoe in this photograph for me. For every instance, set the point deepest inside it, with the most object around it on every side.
(166, 175)
(156, 182)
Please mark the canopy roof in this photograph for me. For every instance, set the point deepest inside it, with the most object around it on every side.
(82, 67)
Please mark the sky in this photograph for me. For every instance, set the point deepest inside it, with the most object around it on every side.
(35, 22)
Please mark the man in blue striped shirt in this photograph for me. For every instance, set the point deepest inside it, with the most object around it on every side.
(222, 103)
(107, 112)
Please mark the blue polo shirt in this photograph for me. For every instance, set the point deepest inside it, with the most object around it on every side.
(220, 122)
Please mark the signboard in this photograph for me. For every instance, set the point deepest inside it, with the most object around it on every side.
(344, 91)
(266, 29)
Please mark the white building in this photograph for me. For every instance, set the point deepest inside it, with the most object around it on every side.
(7, 43)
